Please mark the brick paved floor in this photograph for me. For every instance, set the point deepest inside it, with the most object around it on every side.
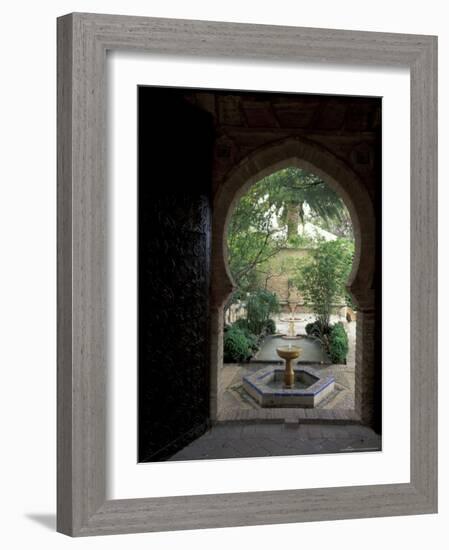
(244, 440)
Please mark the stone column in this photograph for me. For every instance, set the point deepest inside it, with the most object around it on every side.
(368, 370)
(216, 350)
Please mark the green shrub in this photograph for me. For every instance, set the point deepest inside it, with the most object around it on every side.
(260, 304)
(321, 277)
(237, 347)
(253, 342)
(317, 330)
(242, 324)
(338, 343)
(270, 326)
(333, 339)
(312, 329)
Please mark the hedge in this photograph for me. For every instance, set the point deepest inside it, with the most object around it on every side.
(237, 346)
(338, 344)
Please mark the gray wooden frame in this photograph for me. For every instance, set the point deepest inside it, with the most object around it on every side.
(83, 40)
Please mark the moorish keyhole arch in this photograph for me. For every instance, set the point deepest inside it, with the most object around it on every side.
(313, 158)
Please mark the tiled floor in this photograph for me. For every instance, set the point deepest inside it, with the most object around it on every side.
(245, 440)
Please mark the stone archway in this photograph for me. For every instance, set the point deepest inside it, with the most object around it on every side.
(316, 159)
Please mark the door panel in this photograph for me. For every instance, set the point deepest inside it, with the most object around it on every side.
(175, 154)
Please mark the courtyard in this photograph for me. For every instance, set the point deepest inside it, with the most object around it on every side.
(245, 430)
(234, 403)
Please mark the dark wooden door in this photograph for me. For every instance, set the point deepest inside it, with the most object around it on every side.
(175, 156)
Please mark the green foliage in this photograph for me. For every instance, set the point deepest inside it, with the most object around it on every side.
(322, 276)
(338, 343)
(300, 195)
(252, 238)
(260, 305)
(333, 338)
(266, 220)
(270, 326)
(299, 241)
(242, 324)
(240, 343)
(253, 340)
(315, 329)
(350, 302)
(236, 345)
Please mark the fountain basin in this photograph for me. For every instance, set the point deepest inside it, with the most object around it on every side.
(289, 352)
(267, 387)
(312, 351)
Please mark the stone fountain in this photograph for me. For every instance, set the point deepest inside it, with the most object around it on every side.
(289, 353)
(291, 331)
(292, 386)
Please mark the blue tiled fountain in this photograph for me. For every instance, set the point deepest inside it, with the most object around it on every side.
(292, 386)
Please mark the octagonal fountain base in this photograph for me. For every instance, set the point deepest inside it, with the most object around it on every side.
(266, 386)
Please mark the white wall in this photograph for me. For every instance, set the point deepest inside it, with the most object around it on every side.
(27, 295)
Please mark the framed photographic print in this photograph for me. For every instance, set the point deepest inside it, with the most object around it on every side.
(247, 274)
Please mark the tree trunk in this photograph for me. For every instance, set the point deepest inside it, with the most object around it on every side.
(292, 219)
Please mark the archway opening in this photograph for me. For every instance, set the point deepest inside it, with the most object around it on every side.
(313, 158)
(290, 249)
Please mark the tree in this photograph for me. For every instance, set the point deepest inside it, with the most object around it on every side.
(266, 220)
(321, 277)
(253, 237)
(298, 195)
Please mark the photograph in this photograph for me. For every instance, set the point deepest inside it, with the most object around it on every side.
(259, 262)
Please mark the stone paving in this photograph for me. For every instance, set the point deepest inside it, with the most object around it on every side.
(266, 432)
(245, 440)
(235, 404)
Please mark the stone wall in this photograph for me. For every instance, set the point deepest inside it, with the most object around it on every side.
(338, 139)
(277, 280)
